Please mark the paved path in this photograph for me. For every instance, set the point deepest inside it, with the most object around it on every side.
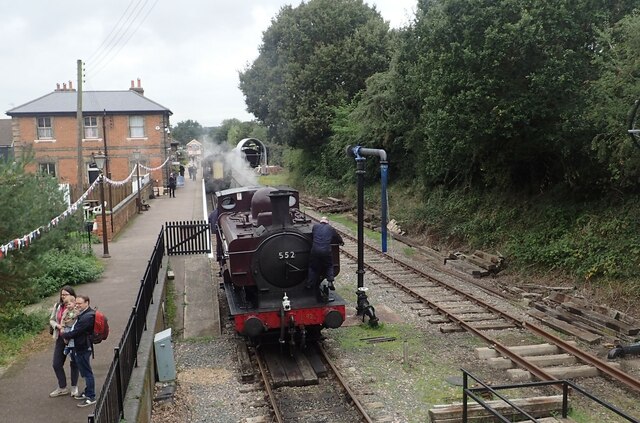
(25, 386)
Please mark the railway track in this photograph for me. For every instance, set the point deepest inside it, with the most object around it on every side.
(324, 398)
(460, 307)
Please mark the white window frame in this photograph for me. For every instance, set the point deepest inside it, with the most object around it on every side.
(136, 126)
(91, 130)
(47, 168)
(44, 127)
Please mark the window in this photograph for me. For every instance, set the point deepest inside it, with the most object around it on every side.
(91, 127)
(48, 169)
(45, 131)
(136, 127)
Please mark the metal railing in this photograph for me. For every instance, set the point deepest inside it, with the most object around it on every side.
(110, 403)
(188, 237)
(471, 392)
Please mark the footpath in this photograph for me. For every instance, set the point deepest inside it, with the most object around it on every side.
(25, 386)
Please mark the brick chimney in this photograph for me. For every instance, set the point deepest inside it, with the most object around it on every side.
(137, 89)
(64, 86)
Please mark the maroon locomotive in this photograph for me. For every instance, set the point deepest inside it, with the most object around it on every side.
(264, 244)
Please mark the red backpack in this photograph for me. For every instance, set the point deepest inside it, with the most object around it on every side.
(100, 328)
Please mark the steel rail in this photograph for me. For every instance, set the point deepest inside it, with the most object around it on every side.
(465, 294)
(345, 386)
(586, 357)
(516, 358)
(267, 386)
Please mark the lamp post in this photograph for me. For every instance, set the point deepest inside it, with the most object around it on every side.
(136, 157)
(99, 160)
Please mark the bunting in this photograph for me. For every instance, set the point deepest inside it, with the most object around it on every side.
(25, 240)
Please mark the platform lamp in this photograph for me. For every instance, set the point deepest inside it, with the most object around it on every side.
(99, 159)
(136, 157)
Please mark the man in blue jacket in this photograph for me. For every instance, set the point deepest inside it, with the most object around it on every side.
(81, 333)
(320, 259)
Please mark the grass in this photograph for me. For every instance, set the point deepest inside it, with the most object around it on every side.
(422, 376)
(274, 180)
(170, 304)
(18, 335)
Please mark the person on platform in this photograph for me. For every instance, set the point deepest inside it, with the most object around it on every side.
(59, 357)
(81, 333)
(172, 185)
(320, 258)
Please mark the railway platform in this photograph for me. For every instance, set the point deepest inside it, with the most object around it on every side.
(26, 384)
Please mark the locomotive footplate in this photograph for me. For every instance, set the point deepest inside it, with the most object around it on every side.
(305, 311)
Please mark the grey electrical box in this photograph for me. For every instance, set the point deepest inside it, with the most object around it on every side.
(165, 365)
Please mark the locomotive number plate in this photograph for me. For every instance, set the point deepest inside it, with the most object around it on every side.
(285, 255)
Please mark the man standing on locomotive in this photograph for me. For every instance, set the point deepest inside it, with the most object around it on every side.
(320, 259)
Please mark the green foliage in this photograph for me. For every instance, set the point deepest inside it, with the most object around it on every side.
(598, 241)
(274, 180)
(15, 322)
(588, 240)
(186, 131)
(29, 202)
(16, 327)
(233, 130)
(611, 98)
(313, 58)
(67, 267)
(21, 212)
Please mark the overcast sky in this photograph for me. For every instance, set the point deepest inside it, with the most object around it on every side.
(187, 54)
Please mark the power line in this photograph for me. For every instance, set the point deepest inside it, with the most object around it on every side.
(98, 50)
(117, 38)
(106, 58)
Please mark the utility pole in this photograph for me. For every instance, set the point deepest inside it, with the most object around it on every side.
(80, 171)
(106, 155)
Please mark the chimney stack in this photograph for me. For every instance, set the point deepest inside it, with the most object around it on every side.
(70, 86)
(57, 86)
(137, 89)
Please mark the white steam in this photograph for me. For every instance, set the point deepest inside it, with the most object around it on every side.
(234, 159)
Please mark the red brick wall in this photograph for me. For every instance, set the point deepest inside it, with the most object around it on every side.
(121, 214)
(120, 147)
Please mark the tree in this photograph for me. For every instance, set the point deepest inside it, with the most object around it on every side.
(501, 89)
(611, 98)
(27, 202)
(312, 59)
(186, 131)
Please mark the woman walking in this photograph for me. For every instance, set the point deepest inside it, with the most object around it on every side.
(59, 356)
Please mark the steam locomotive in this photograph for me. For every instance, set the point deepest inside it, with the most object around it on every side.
(264, 244)
(216, 173)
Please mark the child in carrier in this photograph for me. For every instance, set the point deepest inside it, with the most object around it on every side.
(69, 317)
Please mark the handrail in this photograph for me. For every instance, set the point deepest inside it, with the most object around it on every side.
(471, 392)
(110, 403)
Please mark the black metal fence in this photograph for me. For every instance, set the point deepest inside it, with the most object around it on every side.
(191, 237)
(473, 393)
(110, 404)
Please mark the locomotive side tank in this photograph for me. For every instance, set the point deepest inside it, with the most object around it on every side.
(266, 241)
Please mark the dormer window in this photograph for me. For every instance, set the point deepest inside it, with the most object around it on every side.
(45, 130)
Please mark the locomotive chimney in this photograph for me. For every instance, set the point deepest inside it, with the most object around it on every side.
(280, 208)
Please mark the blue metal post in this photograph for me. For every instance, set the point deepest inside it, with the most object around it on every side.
(383, 176)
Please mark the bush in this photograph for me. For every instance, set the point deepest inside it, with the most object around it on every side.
(64, 268)
(15, 322)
